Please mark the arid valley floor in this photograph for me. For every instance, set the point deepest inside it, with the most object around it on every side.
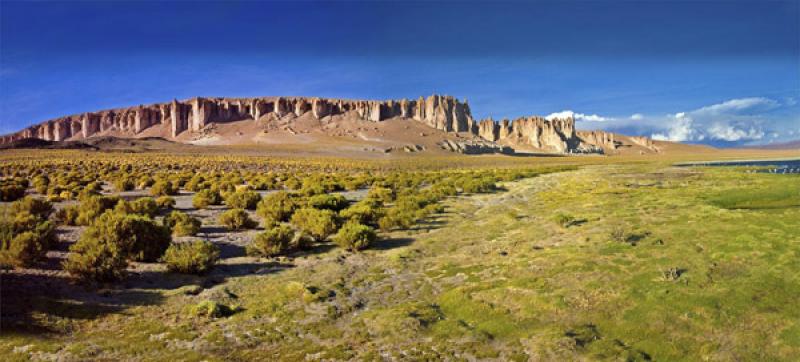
(567, 258)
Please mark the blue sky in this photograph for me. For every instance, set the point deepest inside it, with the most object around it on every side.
(719, 72)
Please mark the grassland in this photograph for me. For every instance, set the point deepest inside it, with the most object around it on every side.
(631, 259)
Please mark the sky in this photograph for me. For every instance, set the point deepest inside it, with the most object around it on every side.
(724, 73)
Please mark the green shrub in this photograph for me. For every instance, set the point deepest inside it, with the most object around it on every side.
(367, 212)
(272, 242)
(237, 219)
(124, 184)
(277, 207)
(182, 224)
(333, 202)
(96, 259)
(23, 245)
(204, 198)
(165, 202)
(243, 199)
(41, 183)
(68, 215)
(11, 192)
(381, 194)
(316, 223)
(36, 207)
(141, 238)
(354, 236)
(163, 188)
(142, 206)
(397, 217)
(210, 309)
(195, 257)
(563, 220)
(145, 182)
(93, 206)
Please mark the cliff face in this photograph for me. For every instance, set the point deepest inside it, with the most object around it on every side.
(610, 142)
(441, 112)
(445, 113)
(557, 135)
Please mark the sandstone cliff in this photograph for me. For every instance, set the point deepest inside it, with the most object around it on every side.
(182, 120)
(441, 112)
(557, 135)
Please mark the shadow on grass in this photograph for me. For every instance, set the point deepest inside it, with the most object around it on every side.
(228, 250)
(35, 303)
(26, 299)
(386, 244)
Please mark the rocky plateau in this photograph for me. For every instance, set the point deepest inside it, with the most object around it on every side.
(189, 120)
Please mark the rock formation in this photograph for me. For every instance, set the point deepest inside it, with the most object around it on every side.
(445, 113)
(441, 112)
(557, 135)
(609, 142)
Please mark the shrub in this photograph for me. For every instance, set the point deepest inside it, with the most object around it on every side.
(140, 238)
(165, 202)
(272, 242)
(563, 220)
(93, 206)
(96, 259)
(244, 199)
(237, 219)
(354, 236)
(36, 207)
(163, 188)
(367, 211)
(124, 184)
(316, 223)
(210, 309)
(11, 192)
(397, 217)
(143, 206)
(182, 224)
(68, 215)
(195, 257)
(41, 183)
(619, 233)
(204, 198)
(276, 207)
(327, 201)
(382, 194)
(23, 246)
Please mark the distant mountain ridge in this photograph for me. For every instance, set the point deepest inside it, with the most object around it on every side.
(189, 120)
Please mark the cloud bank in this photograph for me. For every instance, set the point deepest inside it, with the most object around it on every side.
(739, 121)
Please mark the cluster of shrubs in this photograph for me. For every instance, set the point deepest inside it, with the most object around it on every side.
(122, 231)
(26, 234)
(314, 219)
(12, 189)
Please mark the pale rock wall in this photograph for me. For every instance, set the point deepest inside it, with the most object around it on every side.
(441, 112)
(444, 113)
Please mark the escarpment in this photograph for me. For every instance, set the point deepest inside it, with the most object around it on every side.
(441, 112)
(182, 120)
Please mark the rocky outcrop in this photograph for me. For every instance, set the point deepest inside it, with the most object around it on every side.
(601, 139)
(445, 113)
(610, 142)
(475, 147)
(557, 135)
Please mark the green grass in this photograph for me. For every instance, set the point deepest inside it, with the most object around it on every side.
(501, 280)
(779, 193)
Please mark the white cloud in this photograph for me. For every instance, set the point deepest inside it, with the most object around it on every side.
(726, 132)
(735, 120)
(681, 129)
(748, 120)
(577, 116)
(738, 106)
